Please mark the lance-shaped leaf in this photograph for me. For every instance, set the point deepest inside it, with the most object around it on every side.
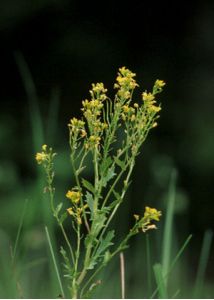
(108, 176)
(88, 185)
(120, 163)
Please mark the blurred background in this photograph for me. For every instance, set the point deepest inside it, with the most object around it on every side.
(51, 51)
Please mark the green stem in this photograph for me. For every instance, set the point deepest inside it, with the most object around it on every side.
(74, 289)
(96, 180)
(122, 196)
(66, 240)
(79, 186)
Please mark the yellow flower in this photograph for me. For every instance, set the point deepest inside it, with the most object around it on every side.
(41, 157)
(159, 83)
(148, 96)
(137, 217)
(70, 211)
(148, 227)
(45, 156)
(125, 83)
(152, 214)
(154, 108)
(125, 108)
(98, 88)
(93, 141)
(74, 196)
(76, 124)
(83, 133)
(158, 86)
(44, 147)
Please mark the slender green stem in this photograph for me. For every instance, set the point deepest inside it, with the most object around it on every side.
(113, 186)
(79, 186)
(54, 261)
(74, 290)
(66, 240)
(90, 279)
(122, 196)
(51, 193)
(96, 180)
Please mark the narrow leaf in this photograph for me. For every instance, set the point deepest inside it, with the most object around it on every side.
(106, 242)
(54, 261)
(160, 281)
(88, 185)
(120, 163)
(63, 217)
(108, 176)
(58, 208)
(90, 202)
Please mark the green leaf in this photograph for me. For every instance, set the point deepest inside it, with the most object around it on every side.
(99, 222)
(88, 185)
(120, 163)
(105, 243)
(105, 164)
(93, 263)
(67, 265)
(113, 204)
(162, 290)
(107, 257)
(80, 170)
(89, 239)
(90, 202)
(58, 208)
(109, 175)
(117, 195)
(63, 217)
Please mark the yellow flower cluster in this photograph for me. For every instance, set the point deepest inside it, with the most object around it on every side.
(128, 112)
(151, 214)
(149, 98)
(125, 83)
(92, 108)
(150, 102)
(74, 196)
(145, 222)
(45, 155)
(158, 86)
(98, 91)
(77, 126)
(77, 212)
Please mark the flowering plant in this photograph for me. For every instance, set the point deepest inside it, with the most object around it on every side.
(94, 204)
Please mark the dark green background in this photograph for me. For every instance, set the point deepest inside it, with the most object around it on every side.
(70, 44)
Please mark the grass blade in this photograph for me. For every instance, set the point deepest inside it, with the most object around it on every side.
(53, 117)
(162, 290)
(179, 253)
(204, 256)
(167, 236)
(54, 262)
(19, 231)
(174, 261)
(148, 264)
(35, 116)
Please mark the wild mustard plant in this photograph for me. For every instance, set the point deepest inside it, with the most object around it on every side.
(92, 205)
